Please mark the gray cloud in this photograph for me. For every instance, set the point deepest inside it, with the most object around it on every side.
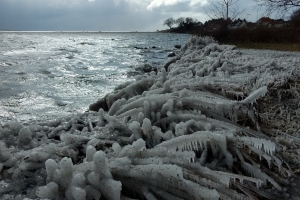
(94, 15)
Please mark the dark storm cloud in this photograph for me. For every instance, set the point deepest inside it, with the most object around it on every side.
(94, 15)
(73, 15)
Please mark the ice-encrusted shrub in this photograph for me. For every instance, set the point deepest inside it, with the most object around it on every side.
(190, 131)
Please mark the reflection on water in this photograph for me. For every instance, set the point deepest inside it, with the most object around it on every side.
(44, 75)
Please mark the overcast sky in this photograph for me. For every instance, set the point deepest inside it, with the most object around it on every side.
(103, 15)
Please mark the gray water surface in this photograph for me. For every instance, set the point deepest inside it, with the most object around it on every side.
(47, 75)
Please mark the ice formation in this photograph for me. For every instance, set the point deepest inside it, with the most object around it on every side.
(175, 134)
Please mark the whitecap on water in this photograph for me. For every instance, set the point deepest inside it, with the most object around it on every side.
(76, 66)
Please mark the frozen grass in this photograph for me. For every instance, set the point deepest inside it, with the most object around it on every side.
(270, 46)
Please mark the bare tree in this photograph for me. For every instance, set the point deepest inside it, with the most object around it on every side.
(187, 22)
(169, 22)
(224, 9)
(280, 6)
(295, 17)
(180, 21)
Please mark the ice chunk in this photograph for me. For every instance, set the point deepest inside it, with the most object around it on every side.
(101, 118)
(47, 192)
(78, 180)
(51, 166)
(92, 193)
(90, 151)
(66, 172)
(94, 178)
(117, 148)
(66, 166)
(116, 105)
(139, 145)
(167, 107)
(146, 109)
(51, 148)
(25, 136)
(78, 193)
(147, 128)
(167, 86)
(136, 129)
(57, 176)
(100, 164)
(163, 75)
(111, 189)
(12, 128)
(140, 118)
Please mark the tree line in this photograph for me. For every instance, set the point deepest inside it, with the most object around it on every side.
(229, 9)
(289, 33)
(224, 9)
(182, 22)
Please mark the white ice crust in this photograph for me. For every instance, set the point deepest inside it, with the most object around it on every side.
(170, 135)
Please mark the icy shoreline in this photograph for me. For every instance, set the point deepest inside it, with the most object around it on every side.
(191, 131)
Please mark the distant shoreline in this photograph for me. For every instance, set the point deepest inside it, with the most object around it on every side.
(2, 30)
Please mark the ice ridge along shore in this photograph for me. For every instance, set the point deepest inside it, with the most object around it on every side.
(194, 130)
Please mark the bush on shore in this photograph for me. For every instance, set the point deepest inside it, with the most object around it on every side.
(259, 35)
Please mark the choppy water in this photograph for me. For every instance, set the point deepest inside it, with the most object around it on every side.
(45, 75)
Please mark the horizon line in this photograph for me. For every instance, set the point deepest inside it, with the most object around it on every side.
(78, 31)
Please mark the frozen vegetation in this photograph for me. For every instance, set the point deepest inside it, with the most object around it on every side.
(197, 129)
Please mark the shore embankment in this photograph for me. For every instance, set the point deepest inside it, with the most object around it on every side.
(203, 127)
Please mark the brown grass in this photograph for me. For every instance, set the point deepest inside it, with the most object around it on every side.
(270, 46)
(282, 39)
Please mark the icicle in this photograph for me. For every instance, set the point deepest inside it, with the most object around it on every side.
(168, 106)
(259, 143)
(163, 75)
(146, 109)
(203, 157)
(255, 95)
(101, 118)
(135, 129)
(90, 125)
(278, 163)
(167, 87)
(115, 106)
(141, 118)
